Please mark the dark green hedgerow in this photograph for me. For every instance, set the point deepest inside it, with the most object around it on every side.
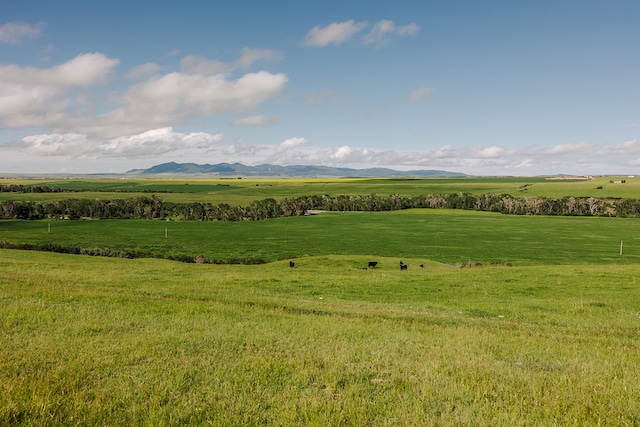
(129, 254)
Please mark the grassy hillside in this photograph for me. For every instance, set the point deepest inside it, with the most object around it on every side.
(98, 341)
(447, 236)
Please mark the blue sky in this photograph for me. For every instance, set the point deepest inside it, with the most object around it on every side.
(484, 88)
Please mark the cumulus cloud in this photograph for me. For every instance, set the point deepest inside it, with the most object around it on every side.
(16, 32)
(55, 144)
(143, 71)
(445, 152)
(334, 33)
(578, 148)
(172, 98)
(488, 152)
(60, 97)
(292, 143)
(254, 121)
(420, 93)
(39, 96)
(82, 71)
(239, 150)
(150, 143)
(381, 30)
(627, 147)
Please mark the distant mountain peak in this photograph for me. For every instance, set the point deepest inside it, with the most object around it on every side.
(268, 170)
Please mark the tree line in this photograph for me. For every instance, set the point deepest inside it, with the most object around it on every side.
(155, 207)
(25, 189)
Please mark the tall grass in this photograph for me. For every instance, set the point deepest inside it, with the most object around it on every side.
(95, 341)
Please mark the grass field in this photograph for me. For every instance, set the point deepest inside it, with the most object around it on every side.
(97, 341)
(543, 330)
(447, 236)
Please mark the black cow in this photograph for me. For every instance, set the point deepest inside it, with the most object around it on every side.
(372, 264)
(292, 264)
(403, 267)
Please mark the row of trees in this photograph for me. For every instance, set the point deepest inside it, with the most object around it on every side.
(19, 188)
(156, 208)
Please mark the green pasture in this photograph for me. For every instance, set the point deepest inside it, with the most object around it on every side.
(542, 329)
(448, 236)
(104, 341)
(244, 191)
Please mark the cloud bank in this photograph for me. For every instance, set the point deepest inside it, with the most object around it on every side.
(66, 98)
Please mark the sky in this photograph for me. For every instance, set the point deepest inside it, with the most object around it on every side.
(519, 88)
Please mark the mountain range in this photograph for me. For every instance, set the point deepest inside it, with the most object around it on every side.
(240, 170)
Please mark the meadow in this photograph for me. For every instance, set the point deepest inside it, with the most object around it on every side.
(499, 320)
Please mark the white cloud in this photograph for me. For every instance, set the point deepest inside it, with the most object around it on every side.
(192, 64)
(238, 150)
(249, 56)
(82, 71)
(334, 33)
(627, 147)
(143, 71)
(488, 152)
(382, 29)
(564, 149)
(254, 121)
(165, 143)
(40, 96)
(445, 152)
(55, 144)
(158, 141)
(291, 143)
(421, 93)
(172, 98)
(60, 96)
(15, 32)
(150, 143)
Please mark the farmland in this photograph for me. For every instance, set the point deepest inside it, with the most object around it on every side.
(543, 328)
(244, 191)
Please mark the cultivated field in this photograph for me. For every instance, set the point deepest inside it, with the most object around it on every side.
(542, 329)
(244, 191)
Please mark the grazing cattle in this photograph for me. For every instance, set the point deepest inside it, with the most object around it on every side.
(403, 267)
(421, 265)
(372, 264)
(292, 264)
